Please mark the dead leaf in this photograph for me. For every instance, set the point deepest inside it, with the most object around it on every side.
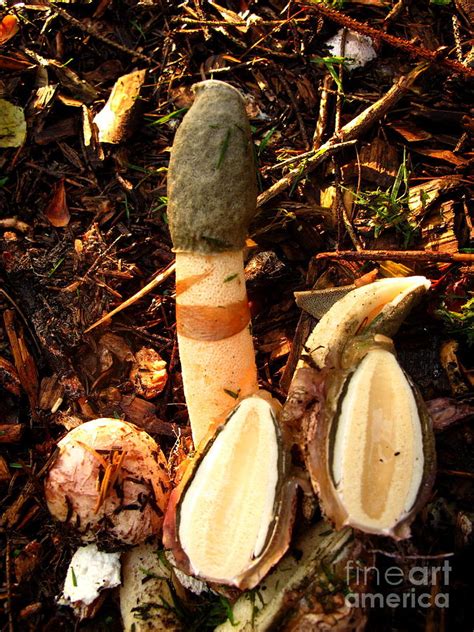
(8, 28)
(114, 121)
(57, 212)
(27, 561)
(231, 17)
(14, 62)
(410, 132)
(69, 79)
(443, 154)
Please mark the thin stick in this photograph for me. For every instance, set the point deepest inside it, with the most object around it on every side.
(398, 255)
(323, 111)
(299, 118)
(106, 40)
(162, 276)
(432, 56)
(350, 131)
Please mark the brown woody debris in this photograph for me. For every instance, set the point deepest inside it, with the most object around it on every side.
(57, 212)
(9, 379)
(11, 433)
(51, 393)
(5, 475)
(27, 561)
(115, 119)
(438, 230)
(149, 373)
(452, 366)
(24, 362)
(378, 163)
(423, 196)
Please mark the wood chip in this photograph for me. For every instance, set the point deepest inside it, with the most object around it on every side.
(57, 211)
(5, 475)
(11, 433)
(114, 121)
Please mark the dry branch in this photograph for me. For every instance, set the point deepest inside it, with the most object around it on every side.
(427, 256)
(432, 56)
(162, 276)
(349, 132)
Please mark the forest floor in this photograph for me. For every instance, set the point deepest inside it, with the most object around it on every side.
(83, 227)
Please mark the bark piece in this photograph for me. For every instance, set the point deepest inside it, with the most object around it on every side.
(378, 163)
(114, 121)
(11, 433)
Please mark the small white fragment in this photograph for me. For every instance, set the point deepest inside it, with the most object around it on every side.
(192, 584)
(89, 572)
(358, 49)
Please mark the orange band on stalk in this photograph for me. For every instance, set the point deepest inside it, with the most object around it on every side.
(184, 284)
(204, 322)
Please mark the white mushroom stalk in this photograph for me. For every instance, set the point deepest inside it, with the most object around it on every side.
(212, 198)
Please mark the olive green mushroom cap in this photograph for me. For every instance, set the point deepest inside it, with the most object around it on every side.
(212, 187)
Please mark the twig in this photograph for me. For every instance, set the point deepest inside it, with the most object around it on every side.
(299, 118)
(162, 276)
(457, 38)
(350, 131)
(315, 159)
(344, 215)
(8, 571)
(243, 23)
(394, 13)
(398, 255)
(92, 31)
(403, 556)
(417, 51)
(323, 111)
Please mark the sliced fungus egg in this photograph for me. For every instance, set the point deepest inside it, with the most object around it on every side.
(230, 519)
(380, 306)
(380, 450)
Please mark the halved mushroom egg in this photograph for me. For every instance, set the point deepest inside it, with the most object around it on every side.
(370, 448)
(363, 426)
(230, 518)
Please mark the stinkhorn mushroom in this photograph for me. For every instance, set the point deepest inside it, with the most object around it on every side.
(230, 518)
(110, 482)
(212, 198)
(366, 433)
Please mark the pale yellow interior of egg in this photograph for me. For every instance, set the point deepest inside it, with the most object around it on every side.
(228, 507)
(215, 372)
(377, 462)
